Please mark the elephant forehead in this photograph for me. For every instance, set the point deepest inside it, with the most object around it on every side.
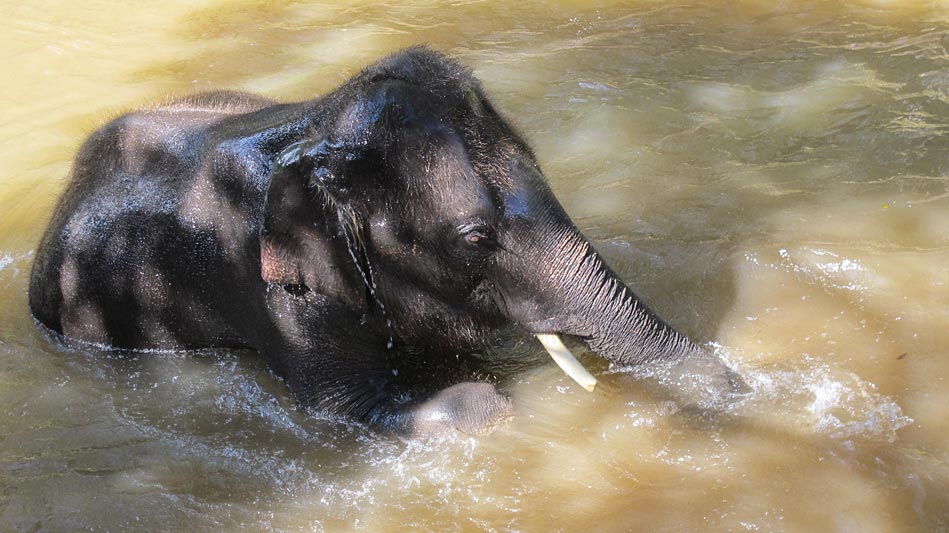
(447, 182)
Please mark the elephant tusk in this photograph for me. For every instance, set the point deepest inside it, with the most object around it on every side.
(567, 362)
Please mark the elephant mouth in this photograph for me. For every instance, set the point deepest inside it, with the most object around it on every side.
(545, 331)
(566, 361)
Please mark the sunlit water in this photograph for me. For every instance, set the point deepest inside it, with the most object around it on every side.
(771, 180)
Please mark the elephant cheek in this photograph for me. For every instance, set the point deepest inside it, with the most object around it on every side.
(383, 237)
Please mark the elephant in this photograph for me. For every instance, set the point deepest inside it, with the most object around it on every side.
(361, 242)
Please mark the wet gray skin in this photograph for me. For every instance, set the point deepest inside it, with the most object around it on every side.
(355, 241)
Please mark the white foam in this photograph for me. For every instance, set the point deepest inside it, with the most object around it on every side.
(813, 396)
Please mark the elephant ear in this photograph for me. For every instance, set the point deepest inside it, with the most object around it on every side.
(303, 180)
(319, 176)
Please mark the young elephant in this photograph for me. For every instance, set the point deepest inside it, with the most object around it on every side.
(348, 239)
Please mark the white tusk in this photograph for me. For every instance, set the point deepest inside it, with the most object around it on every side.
(567, 362)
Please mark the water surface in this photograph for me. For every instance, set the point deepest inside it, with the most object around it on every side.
(773, 180)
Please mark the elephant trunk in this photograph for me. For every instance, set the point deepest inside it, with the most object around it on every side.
(612, 320)
(576, 293)
(580, 295)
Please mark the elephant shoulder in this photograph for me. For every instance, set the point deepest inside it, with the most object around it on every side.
(178, 132)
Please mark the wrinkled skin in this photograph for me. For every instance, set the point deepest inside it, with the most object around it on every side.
(361, 242)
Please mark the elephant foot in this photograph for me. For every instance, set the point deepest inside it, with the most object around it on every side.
(469, 408)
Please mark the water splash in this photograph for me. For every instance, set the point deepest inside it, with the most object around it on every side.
(812, 396)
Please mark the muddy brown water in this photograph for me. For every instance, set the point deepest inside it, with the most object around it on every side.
(772, 178)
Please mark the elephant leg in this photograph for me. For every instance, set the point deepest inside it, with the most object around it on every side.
(368, 386)
(471, 408)
(336, 363)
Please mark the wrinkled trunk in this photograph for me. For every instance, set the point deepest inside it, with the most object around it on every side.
(560, 285)
(576, 293)
(553, 282)
(611, 318)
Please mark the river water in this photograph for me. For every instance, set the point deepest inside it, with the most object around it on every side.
(772, 178)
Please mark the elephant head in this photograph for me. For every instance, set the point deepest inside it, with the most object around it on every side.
(446, 215)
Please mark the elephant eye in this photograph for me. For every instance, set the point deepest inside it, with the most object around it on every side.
(478, 236)
(475, 237)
